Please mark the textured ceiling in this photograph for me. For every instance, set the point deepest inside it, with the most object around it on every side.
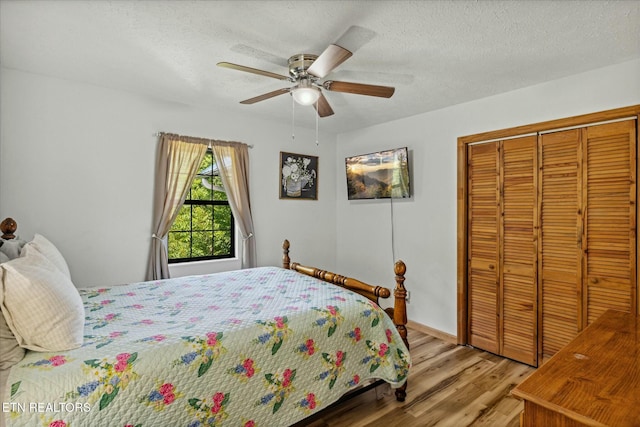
(436, 53)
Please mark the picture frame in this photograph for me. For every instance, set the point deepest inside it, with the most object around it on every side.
(380, 175)
(298, 176)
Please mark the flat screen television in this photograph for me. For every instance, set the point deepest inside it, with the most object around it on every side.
(380, 175)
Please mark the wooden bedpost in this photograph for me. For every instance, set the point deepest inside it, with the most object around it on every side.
(286, 261)
(400, 316)
(8, 227)
(400, 301)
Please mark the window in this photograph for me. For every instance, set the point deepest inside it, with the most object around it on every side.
(204, 228)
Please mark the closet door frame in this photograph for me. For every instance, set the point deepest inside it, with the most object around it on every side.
(462, 206)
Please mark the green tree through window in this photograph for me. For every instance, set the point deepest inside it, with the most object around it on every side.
(204, 227)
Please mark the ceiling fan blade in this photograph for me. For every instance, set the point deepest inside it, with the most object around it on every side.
(261, 55)
(265, 96)
(359, 88)
(252, 70)
(322, 107)
(332, 56)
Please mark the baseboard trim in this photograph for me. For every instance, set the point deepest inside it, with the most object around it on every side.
(433, 332)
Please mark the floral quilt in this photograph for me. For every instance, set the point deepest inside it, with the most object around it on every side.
(257, 347)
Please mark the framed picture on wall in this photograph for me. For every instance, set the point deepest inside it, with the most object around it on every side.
(298, 176)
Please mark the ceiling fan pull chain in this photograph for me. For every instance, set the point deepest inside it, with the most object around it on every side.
(316, 124)
(293, 119)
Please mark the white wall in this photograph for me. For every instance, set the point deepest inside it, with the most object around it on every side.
(77, 165)
(77, 161)
(425, 226)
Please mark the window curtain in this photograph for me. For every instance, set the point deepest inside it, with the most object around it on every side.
(232, 159)
(177, 164)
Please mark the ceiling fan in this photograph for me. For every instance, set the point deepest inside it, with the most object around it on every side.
(306, 72)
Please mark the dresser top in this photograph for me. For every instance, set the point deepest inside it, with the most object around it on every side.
(595, 379)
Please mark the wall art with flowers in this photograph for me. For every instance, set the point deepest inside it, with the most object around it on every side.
(298, 176)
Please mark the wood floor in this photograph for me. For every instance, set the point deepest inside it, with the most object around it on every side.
(449, 385)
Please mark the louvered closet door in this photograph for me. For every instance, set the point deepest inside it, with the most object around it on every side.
(518, 269)
(609, 242)
(559, 246)
(483, 253)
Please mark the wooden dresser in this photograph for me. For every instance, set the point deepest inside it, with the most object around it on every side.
(593, 381)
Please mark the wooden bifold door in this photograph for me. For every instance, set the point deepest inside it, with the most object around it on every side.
(549, 236)
(502, 247)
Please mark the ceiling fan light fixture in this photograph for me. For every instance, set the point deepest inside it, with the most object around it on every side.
(305, 94)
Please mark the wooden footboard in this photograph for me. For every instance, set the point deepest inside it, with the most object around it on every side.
(398, 313)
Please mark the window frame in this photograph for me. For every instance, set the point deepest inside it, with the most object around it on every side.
(191, 203)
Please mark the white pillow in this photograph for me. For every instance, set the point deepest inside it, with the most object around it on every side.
(10, 351)
(46, 248)
(41, 305)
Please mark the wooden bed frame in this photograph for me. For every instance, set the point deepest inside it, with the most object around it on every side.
(397, 313)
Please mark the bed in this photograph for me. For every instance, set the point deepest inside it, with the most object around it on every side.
(267, 346)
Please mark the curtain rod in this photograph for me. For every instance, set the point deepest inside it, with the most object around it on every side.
(157, 134)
